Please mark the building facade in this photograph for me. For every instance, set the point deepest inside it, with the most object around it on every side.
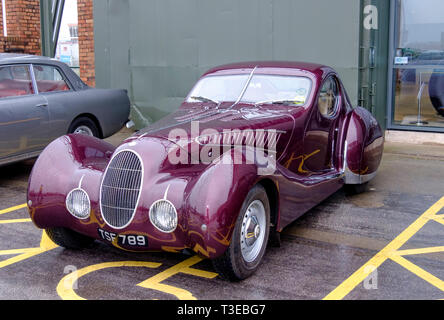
(388, 52)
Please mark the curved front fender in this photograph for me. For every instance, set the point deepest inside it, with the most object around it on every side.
(214, 203)
(65, 164)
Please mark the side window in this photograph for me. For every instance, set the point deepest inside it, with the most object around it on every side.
(328, 97)
(49, 79)
(15, 81)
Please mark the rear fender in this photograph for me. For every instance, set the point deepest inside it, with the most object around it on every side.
(364, 147)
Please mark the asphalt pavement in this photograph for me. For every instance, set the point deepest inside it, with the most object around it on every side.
(383, 244)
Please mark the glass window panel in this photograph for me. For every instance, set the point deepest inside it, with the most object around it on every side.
(49, 79)
(15, 81)
(328, 98)
(419, 97)
(419, 64)
(219, 88)
(421, 31)
(268, 88)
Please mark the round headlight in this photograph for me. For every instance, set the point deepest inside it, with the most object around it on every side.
(78, 204)
(163, 216)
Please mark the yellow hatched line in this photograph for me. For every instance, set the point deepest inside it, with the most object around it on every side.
(15, 221)
(23, 254)
(17, 251)
(12, 209)
(439, 219)
(362, 273)
(430, 278)
(419, 251)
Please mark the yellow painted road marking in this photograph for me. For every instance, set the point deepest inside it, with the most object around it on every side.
(15, 221)
(183, 267)
(439, 219)
(390, 250)
(419, 251)
(22, 206)
(66, 291)
(17, 251)
(65, 288)
(45, 245)
(430, 278)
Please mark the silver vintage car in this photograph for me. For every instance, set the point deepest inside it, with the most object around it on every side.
(42, 99)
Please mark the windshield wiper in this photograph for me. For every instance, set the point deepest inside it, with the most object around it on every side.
(205, 99)
(278, 102)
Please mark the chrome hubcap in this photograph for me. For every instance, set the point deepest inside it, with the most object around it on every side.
(253, 231)
(84, 130)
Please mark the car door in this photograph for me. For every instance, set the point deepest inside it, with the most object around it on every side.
(23, 114)
(53, 86)
(321, 134)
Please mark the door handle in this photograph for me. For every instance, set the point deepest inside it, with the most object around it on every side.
(42, 105)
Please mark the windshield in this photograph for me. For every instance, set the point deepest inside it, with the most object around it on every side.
(219, 88)
(269, 89)
(261, 89)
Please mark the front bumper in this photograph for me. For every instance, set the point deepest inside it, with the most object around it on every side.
(73, 162)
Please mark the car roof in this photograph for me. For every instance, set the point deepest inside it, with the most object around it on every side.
(277, 66)
(15, 58)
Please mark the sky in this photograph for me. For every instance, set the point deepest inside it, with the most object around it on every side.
(69, 17)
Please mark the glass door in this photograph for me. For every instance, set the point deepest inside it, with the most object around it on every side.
(418, 66)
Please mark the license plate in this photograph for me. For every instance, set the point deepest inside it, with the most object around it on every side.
(127, 240)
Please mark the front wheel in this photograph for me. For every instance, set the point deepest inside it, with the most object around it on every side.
(68, 239)
(250, 238)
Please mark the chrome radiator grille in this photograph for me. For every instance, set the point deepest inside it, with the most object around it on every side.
(120, 191)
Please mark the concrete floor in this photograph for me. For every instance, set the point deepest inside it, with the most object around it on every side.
(325, 253)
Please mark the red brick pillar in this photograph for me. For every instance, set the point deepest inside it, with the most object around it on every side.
(86, 41)
(23, 25)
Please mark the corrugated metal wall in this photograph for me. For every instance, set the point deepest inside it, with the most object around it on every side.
(157, 49)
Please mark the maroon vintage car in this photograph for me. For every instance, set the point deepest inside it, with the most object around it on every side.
(252, 148)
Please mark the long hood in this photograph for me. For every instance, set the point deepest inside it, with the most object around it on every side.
(242, 125)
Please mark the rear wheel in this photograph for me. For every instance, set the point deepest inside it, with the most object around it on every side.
(250, 238)
(84, 126)
(354, 189)
(68, 239)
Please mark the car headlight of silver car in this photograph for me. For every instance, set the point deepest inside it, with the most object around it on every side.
(163, 216)
(78, 204)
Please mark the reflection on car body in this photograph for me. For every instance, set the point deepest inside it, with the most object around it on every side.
(195, 180)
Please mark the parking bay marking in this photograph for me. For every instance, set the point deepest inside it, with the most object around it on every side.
(65, 288)
(392, 252)
(22, 254)
(22, 206)
(12, 209)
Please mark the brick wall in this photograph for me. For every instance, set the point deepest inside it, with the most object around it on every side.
(23, 25)
(23, 22)
(86, 41)
(1, 19)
